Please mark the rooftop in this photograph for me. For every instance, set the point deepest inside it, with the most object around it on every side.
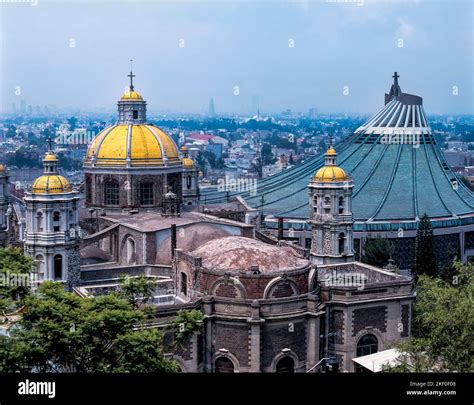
(244, 254)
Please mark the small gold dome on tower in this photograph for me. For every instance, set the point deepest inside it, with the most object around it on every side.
(50, 157)
(330, 171)
(131, 95)
(51, 184)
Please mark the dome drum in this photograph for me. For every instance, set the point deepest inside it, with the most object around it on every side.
(126, 191)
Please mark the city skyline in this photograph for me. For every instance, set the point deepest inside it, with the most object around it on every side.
(285, 55)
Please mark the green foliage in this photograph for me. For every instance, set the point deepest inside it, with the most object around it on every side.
(443, 325)
(425, 260)
(21, 158)
(61, 332)
(139, 351)
(267, 154)
(186, 324)
(281, 142)
(377, 252)
(15, 269)
(137, 290)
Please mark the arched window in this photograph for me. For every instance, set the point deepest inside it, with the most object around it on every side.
(131, 256)
(285, 365)
(224, 365)
(58, 267)
(341, 205)
(327, 205)
(56, 221)
(111, 192)
(146, 193)
(368, 344)
(188, 182)
(342, 239)
(39, 222)
(40, 267)
(184, 284)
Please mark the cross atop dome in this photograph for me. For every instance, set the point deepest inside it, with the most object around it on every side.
(131, 75)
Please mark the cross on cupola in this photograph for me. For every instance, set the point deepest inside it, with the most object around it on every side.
(50, 142)
(131, 75)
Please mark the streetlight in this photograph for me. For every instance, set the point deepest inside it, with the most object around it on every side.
(91, 210)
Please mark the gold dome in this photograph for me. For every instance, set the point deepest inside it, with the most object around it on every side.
(2, 168)
(131, 95)
(50, 157)
(188, 163)
(331, 151)
(330, 173)
(148, 146)
(51, 184)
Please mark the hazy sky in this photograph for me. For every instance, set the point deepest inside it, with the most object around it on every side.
(76, 53)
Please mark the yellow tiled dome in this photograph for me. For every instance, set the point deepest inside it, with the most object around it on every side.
(51, 184)
(131, 95)
(330, 173)
(50, 157)
(144, 145)
(331, 151)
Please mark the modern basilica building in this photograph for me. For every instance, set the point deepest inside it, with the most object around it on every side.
(399, 173)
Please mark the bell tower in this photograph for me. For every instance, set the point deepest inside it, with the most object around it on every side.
(330, 201)
(52, 234)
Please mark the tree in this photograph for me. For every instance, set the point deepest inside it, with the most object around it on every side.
(137, 290)
(425, 260)
(291, 160)
(267, 154)
(377, 252)
(62, 332)
(15, 273)
(443, 324)
(186, 324)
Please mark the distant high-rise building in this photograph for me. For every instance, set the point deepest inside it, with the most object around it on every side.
(37, 110)
(212, 109)
(13, 108)
(312, 112)
(23, 107)
(255, 107)
(30, 110)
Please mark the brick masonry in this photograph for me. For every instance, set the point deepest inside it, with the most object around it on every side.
(375, 317)
(234, 338)
(282, 335)
(405, 320)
